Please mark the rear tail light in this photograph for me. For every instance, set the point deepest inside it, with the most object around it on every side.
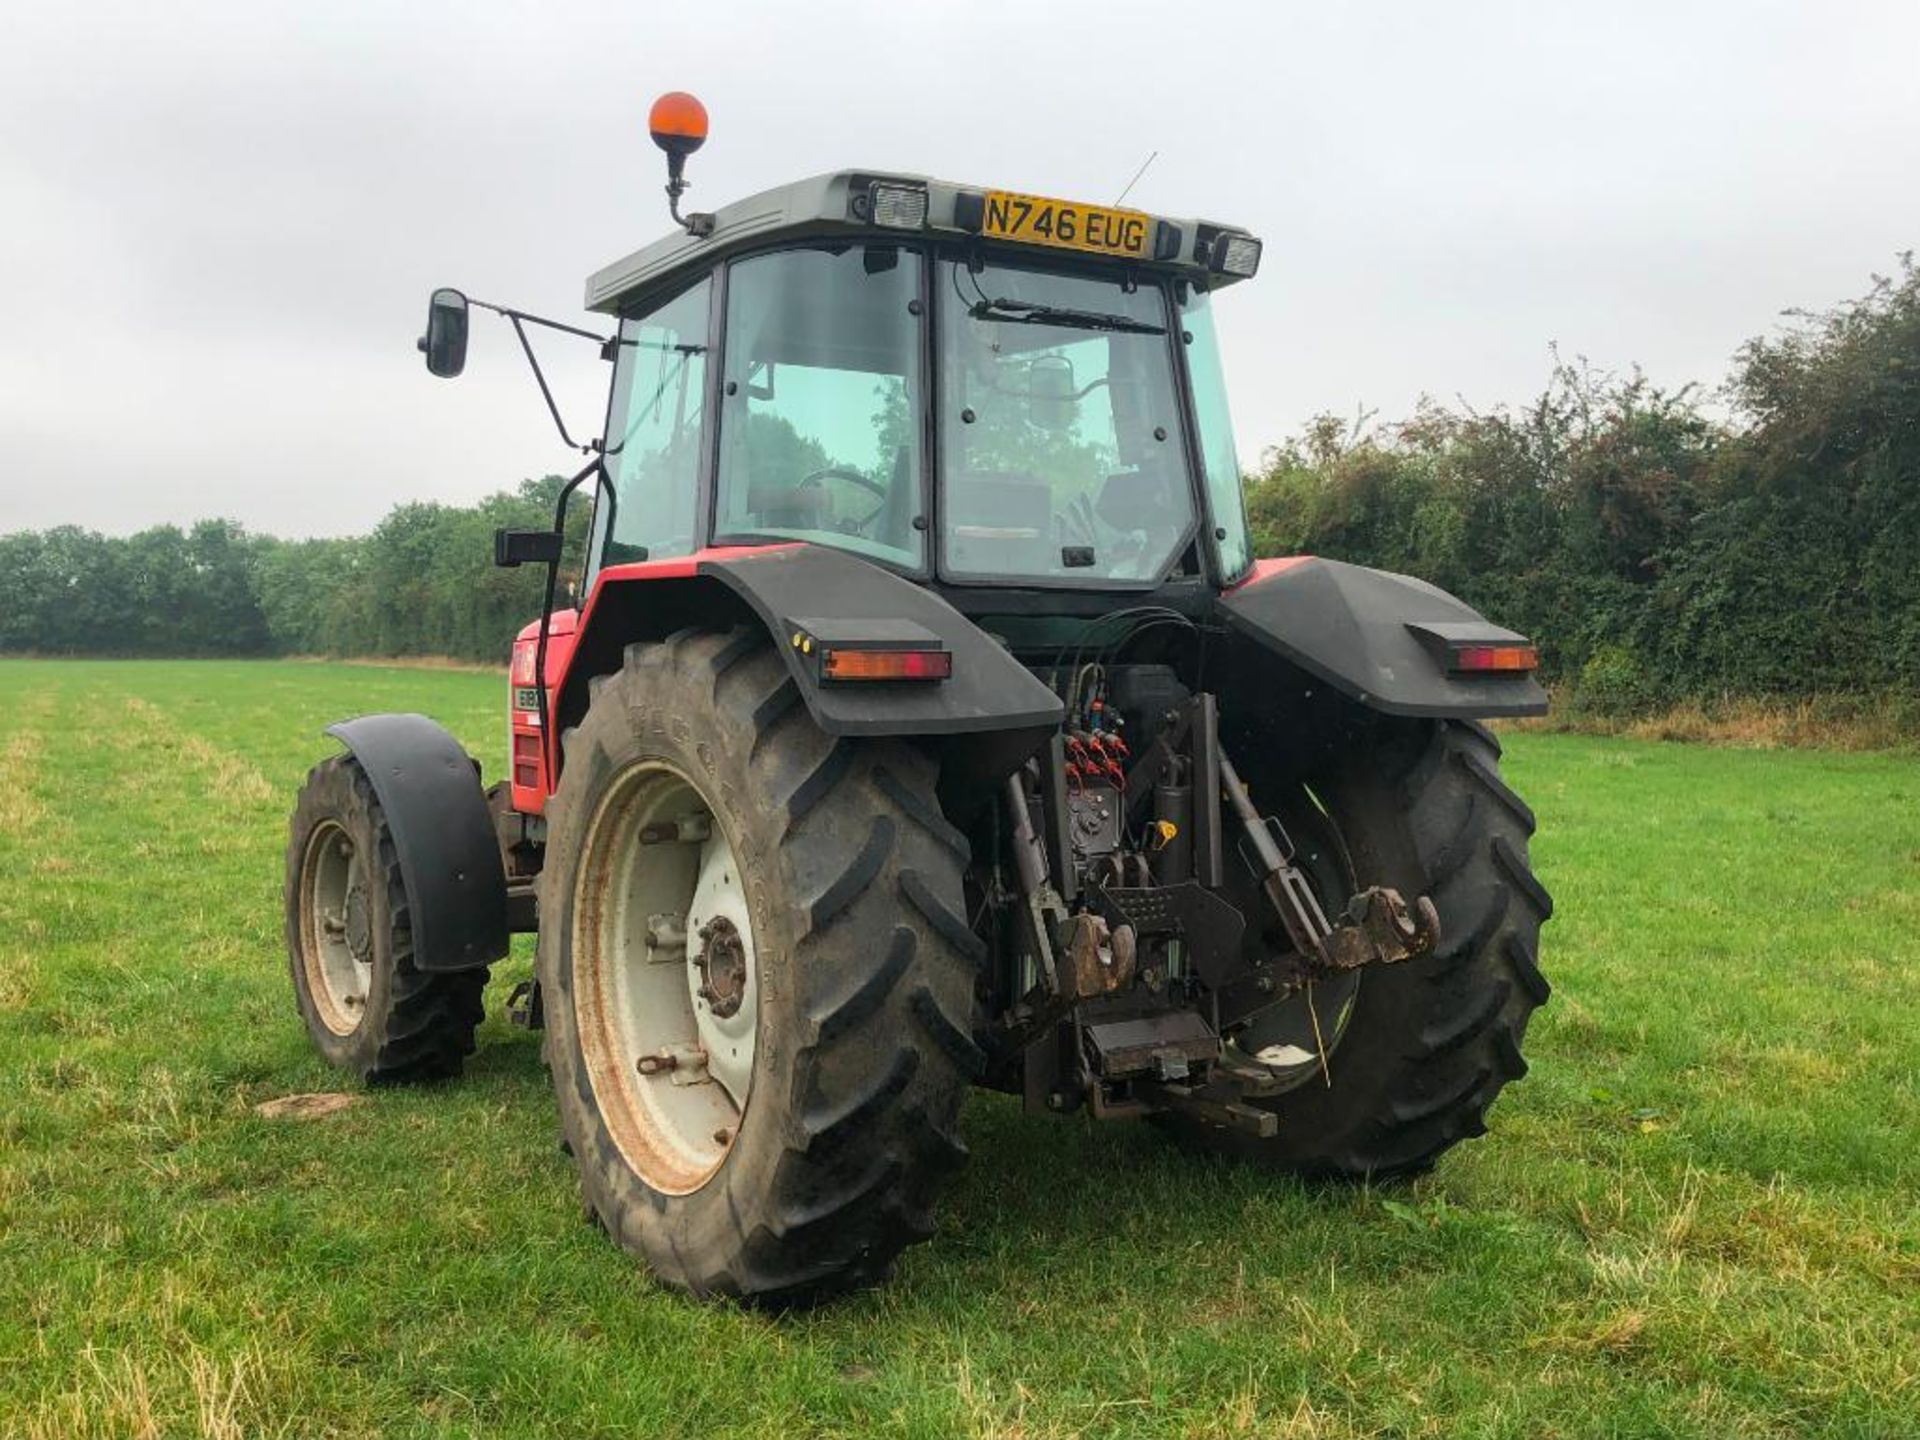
(1476, 647)
(526, 760)
(846, 664)
(1480, 659)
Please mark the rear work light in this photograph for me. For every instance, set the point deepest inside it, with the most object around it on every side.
(899, 207)
(1480, 659)
(885, 664)
(1236, 255)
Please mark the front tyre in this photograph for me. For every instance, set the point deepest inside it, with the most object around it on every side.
(368, 1008)
(757, 977)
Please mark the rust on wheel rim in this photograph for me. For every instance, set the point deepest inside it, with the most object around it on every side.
(336, 928)
(665, 994)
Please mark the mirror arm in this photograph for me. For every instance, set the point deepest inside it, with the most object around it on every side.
(546, 606)
(545, 393)
(518, 315)
(520, 319)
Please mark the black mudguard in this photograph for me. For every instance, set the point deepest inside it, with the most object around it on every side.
(802, 588)
(1372, 636)
(429, 790)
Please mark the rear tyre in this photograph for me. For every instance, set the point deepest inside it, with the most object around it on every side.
(818, 891)
(1429, 1043)
(368, 1009)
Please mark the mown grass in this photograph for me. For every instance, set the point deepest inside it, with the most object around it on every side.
(1697, 1216)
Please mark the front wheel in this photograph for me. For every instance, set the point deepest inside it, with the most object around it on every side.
(757, 977)
(1406, 1064)
(368, 1008)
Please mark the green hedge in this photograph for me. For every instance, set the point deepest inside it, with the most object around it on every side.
(1657, 551)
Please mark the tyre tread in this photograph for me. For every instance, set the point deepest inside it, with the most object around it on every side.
(1486, 979)
(883, 962)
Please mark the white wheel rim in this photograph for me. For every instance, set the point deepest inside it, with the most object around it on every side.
(665, 983)
(336, 928)
(727, 1037)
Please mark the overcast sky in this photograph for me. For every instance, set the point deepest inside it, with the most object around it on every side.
(221, 221)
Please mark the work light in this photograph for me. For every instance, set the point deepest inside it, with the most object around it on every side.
(899, 207)
(1236, 255)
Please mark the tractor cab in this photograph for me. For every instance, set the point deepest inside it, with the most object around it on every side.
(962, 384)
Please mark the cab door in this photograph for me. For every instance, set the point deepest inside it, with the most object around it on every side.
(657, 438)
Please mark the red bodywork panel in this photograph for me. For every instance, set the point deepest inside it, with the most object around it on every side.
(1267, 569)
(527, 759)
(530, 762)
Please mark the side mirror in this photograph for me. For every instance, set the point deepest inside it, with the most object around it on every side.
(1052, 397)
(513, 548)
(445, 343)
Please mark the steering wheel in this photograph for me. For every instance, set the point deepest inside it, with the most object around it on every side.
(852, 477)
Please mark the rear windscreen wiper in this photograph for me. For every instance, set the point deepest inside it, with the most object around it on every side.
(1027, 312)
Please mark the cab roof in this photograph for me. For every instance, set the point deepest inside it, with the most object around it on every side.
(840, 203)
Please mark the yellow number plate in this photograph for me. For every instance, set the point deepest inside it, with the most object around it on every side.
(1096, 229)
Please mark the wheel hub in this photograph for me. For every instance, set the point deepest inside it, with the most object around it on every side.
(359, 928)
(722, 963)
(720, 974)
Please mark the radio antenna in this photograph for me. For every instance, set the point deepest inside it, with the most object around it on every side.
(1136, 176)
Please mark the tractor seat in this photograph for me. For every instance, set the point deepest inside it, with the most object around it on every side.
(1001, 522)
(788, 507)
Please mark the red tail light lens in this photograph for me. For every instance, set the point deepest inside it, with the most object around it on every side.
(885, 664)
(1480, 659)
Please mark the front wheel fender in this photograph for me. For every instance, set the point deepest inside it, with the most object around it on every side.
(436, 812)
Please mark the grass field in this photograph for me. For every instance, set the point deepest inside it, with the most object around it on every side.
(1697, 1216)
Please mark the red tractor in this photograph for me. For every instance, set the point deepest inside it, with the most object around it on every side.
(927, 722)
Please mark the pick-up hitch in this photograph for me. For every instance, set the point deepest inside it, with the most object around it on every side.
(1377, 926)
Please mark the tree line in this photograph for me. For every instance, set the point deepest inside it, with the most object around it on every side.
(1762, 539)
(422, 583)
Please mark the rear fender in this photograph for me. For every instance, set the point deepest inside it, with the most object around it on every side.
(983, 721)
(1369, 634)
(429, 790)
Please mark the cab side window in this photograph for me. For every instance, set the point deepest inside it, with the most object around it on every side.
(655, 431)
(820, 424)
